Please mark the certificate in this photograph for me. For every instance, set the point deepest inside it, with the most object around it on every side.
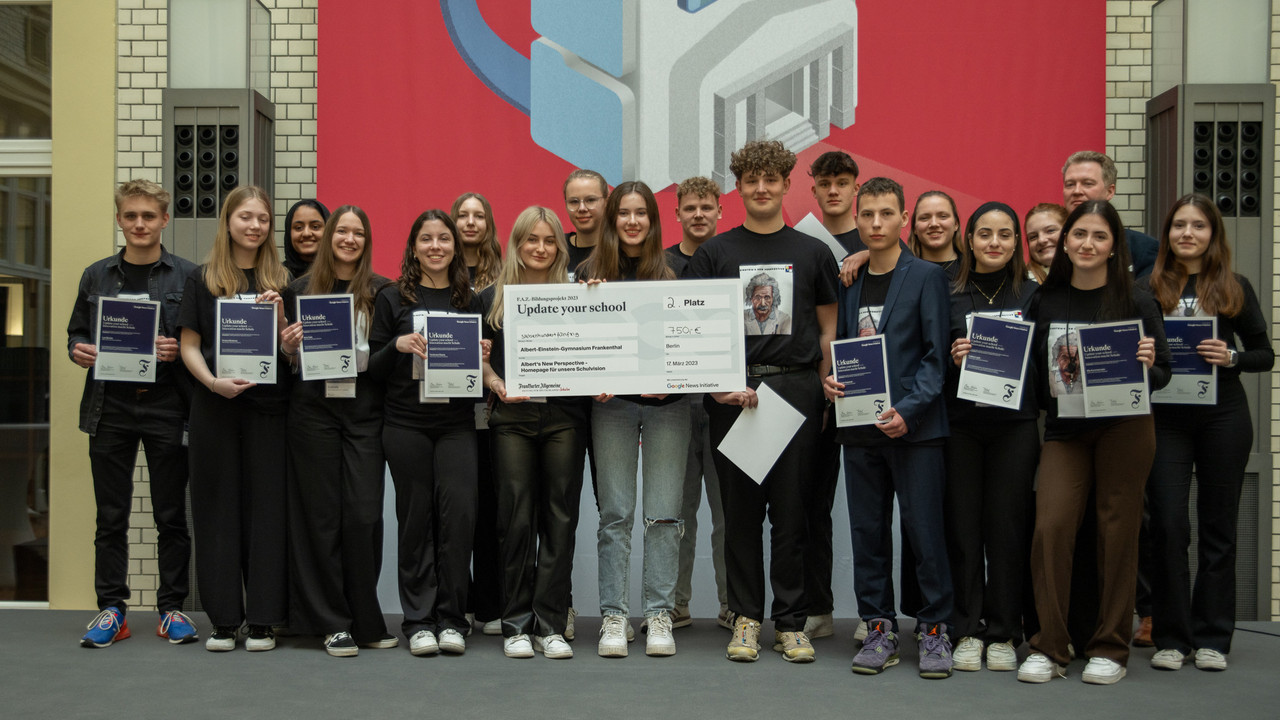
(757, 438)
(1115, 381)
(995, 369)
(245, 344)
(624, 338)
(126, 340)
(861, 364)
(1194, 380)
(328, 349)
(452, 367)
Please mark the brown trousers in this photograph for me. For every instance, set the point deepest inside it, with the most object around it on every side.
(1115, 459)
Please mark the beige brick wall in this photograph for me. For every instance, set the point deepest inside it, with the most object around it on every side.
(1128, 88)
(142, 70)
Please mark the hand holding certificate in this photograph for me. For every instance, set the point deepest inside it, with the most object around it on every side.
(1194, 380)
(861, 365)
(995, 368)
(452, 367)
(245, 345)
(328, 337)
(1115, 381)
(126, 340)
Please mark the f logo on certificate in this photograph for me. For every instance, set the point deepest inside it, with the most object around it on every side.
(471, 383)
(1204, 388)
(1008, 391)
(266, 368)
(1137, 398)
(346, 362)
(879, 406)
(143, 366)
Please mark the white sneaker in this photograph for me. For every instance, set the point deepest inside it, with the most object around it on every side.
(553, 646)
(1038, 668)
(493, 627)
(517, 646)
(660, 641)
(569, 631)
(452, 641)
(967, 655)
(1102, 671)
(860, 633)
(1168, 659)
(1001, 657)
(613, 638)
(1207, 659)
(423, 642)
(819, 626)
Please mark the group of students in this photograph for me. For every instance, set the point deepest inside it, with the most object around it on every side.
(287, 479)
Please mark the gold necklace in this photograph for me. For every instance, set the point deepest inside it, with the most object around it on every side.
(991, 299)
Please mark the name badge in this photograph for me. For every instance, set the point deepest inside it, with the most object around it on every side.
(344, 388)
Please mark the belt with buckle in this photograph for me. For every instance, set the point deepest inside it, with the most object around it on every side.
(767, 370)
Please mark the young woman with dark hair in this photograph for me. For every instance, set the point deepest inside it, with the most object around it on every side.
(935, 231)
(303, 227)
(335, 460)
(430, 447)
(991, 456)
(630, 248)
(1193, 278)
(1088, 283)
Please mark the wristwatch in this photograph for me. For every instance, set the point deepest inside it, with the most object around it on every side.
(1233, 357)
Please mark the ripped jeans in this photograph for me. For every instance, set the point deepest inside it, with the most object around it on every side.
(617, 427)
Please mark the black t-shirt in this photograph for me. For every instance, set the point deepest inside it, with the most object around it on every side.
(951, 268)
(875, 288)
(199, 308)
(1004, 302)
(577, 255)
(577, 407)
(851, 241)
(135, 278)
(790, 274)
(677, 260)
(1058, 313)
(391, 319)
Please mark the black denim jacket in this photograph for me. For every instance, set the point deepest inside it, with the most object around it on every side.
(105, 278)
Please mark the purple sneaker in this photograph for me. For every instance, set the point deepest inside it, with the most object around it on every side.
(879, 650)
(935, 652)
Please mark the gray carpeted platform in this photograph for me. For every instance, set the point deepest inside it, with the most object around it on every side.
(47, 675)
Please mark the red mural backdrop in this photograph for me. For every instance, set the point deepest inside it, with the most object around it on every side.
(982, 100)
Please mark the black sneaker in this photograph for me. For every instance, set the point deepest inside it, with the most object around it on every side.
(261, 637)
(223, 639)
(341, 645)
(386, 641)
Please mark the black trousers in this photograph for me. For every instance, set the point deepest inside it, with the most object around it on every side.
(783, 497)
(153, 415)
(1215, 441)
(238, 505)
(538, 454)
(434, 472)
(989, 504)
(819, 553)
(485, 598)
(335, 511)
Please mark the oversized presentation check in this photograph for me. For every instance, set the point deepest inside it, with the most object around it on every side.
(648, 337)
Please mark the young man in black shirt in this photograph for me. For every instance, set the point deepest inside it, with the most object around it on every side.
(117, 415)
(698, 210)
(790, 362)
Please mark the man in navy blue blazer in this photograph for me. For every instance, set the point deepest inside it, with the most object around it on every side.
(907, 301)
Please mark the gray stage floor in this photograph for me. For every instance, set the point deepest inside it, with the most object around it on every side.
(47, 675)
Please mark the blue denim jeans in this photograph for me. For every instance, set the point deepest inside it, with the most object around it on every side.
(616, 429)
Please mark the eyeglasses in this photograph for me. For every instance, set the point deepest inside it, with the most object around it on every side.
(587, 202)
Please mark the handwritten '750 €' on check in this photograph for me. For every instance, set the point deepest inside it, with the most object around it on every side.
(624, 338)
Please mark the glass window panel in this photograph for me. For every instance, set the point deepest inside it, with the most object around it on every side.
(25, 80)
